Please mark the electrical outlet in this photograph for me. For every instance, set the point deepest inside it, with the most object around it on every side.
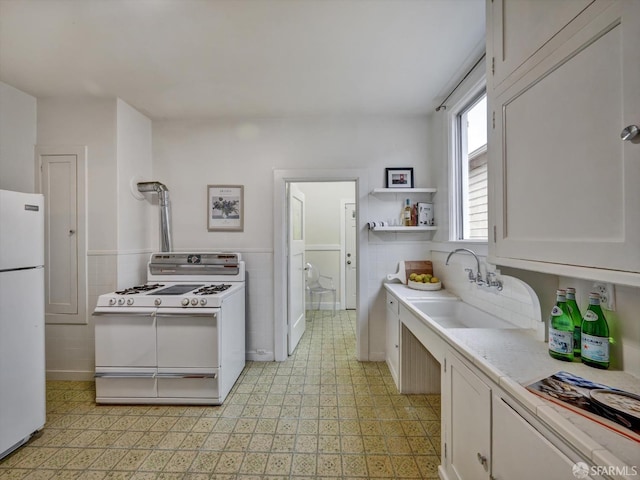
(607, 295)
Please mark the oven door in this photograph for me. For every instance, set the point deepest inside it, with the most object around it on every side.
(125, 337)
(188, 354)
(188, 338)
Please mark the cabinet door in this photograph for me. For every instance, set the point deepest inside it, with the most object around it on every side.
(564, 183)
(468, 422)
(520, 451)
(392, 345)
(521, 28)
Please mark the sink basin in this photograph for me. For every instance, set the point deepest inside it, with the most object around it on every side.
(458, 314)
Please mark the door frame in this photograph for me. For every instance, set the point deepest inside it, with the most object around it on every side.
(280, 231)
(80, 152)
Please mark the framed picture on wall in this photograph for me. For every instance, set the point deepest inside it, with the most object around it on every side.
(399, 178)
(225, 208)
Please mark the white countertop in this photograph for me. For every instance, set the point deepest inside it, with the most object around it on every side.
(513, 358)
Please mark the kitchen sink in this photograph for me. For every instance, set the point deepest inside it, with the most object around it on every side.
(458, 314)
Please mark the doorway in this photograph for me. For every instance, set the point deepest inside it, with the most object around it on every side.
(316, 237)
(282, 180)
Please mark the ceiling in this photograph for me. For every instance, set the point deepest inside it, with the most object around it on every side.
(231, 58)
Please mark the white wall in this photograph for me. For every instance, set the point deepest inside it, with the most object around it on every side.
(118, 141)
(17, 139)
(188, 155)
(90, 122)
(135, 213)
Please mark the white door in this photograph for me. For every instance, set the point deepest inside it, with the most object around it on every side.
(350, 255)
(296, 262)
(59, 186)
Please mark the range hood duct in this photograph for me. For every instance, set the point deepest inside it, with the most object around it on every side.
(165, 211)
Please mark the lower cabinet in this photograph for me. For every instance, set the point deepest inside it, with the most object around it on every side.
(484, 437)
(392, 346)
(466, 412)
(532, 457)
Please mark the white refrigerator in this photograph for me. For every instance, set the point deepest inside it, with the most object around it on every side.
(22, 362)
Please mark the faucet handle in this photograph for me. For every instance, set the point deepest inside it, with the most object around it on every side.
(493, 283)
(470, 275)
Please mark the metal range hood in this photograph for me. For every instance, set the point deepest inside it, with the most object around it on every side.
(165, 211)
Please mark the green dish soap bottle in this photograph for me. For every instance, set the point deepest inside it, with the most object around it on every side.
(574, 311)
(595, 335)
(561, 329)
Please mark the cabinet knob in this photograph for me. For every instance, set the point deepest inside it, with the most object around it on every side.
(630, 132)
(482, 460)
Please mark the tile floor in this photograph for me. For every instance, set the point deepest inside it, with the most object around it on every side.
(320, 414)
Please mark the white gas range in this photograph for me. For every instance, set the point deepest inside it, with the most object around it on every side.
(179, 338)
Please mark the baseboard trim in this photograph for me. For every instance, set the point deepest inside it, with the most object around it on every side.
(69, 375)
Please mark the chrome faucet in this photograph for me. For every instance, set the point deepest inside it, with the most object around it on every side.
(477, 278)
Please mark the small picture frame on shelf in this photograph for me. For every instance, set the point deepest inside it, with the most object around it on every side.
(399, 177)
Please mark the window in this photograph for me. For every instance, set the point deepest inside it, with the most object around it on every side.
(470, 169)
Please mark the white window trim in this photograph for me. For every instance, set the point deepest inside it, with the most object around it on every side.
(475, 84)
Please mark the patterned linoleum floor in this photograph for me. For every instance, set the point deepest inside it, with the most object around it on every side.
(320, 414)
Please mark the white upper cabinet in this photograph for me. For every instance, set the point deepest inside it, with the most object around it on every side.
(564, 185)
(521, 28)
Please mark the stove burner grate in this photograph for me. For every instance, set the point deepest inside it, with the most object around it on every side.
(139, 289)
(211, 289)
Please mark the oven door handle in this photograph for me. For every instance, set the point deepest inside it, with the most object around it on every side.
(128, 311)
(188, 312)
(187, 375)
(124, 375)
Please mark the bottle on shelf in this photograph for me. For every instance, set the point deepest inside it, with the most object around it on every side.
(561, 329)
(406, 213)
(595, 335)
(574, 311)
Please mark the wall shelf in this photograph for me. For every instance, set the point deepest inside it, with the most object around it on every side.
(400, 228)
(403, 190)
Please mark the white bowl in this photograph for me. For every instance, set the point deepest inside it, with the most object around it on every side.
(424, 286)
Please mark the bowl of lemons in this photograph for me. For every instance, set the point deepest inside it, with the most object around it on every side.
(424, 281)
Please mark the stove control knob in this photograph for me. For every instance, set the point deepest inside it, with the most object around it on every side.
(121, 301)
(112, 301)
(185, 302)
(194, 301)
(157, 301)
(203, 301)
(129, 301)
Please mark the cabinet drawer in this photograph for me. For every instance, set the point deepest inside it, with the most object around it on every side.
(186, 385)
(125, 385)
(392, 304)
